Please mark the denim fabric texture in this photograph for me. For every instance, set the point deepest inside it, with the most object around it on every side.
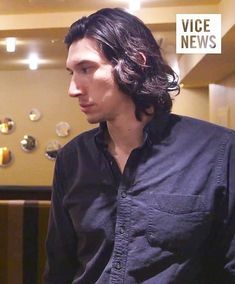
(168, 218)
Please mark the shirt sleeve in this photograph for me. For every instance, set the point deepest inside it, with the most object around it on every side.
(223, 256)
(61, 240)
(229, 232)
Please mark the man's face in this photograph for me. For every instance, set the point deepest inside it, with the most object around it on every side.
(93, 84)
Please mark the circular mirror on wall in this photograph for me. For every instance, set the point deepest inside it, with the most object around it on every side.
(28, 143)
(52, 149)
(34, 114)
(5, 157)
(6, 125)
(62, 129)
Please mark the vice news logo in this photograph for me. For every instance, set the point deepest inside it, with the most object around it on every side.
(198, 33)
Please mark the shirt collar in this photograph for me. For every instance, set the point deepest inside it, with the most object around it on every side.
(101, 135)
(156, 128)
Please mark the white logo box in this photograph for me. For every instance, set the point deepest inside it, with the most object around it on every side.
(198, 33)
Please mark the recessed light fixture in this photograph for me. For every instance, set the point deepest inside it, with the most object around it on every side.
(10, 44)
(134, 5)
(33, 61)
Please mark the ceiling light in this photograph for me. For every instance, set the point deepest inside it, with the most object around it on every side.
(134, 5)
(10, 44)
(33, 61)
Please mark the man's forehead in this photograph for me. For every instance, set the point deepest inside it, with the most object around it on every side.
(85, 49)
(85, 45)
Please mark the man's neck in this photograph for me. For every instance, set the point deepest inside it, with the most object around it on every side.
(125, 135)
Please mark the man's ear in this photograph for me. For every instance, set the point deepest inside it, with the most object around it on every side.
(141, 58)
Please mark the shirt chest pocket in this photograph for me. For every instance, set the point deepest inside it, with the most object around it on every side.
(178, 223)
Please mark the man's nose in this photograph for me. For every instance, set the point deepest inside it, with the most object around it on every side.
(74, 89)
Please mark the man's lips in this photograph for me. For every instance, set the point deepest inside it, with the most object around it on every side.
(85, 106)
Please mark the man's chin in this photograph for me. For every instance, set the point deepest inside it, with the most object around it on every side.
(93, 120)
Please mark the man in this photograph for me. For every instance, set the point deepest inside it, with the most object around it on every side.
(148, 196)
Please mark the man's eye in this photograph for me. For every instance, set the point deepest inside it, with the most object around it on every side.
(85, 70)
(70, 72)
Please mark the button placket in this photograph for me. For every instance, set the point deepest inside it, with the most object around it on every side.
(122, 226)
(121, 238)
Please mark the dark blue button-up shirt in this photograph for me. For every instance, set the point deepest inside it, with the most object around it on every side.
(168, 218)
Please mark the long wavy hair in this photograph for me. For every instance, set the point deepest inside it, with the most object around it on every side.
(139, 68)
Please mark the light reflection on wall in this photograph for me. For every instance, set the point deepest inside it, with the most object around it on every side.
(5, 156)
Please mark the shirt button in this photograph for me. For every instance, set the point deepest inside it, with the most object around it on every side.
(122, 230)
(118, 265)
(123, 194)
(151, 237)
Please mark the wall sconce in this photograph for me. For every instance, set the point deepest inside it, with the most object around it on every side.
(134, 5)
(33, 61)
(10, 44)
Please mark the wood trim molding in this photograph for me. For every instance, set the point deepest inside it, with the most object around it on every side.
(8, 192)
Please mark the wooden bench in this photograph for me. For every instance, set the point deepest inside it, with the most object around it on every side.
(23, 228)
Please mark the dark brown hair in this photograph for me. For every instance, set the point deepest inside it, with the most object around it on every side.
(127, 42)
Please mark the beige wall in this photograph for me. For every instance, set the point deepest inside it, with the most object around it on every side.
(222, 102)
(46, 90)
(192, 102)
